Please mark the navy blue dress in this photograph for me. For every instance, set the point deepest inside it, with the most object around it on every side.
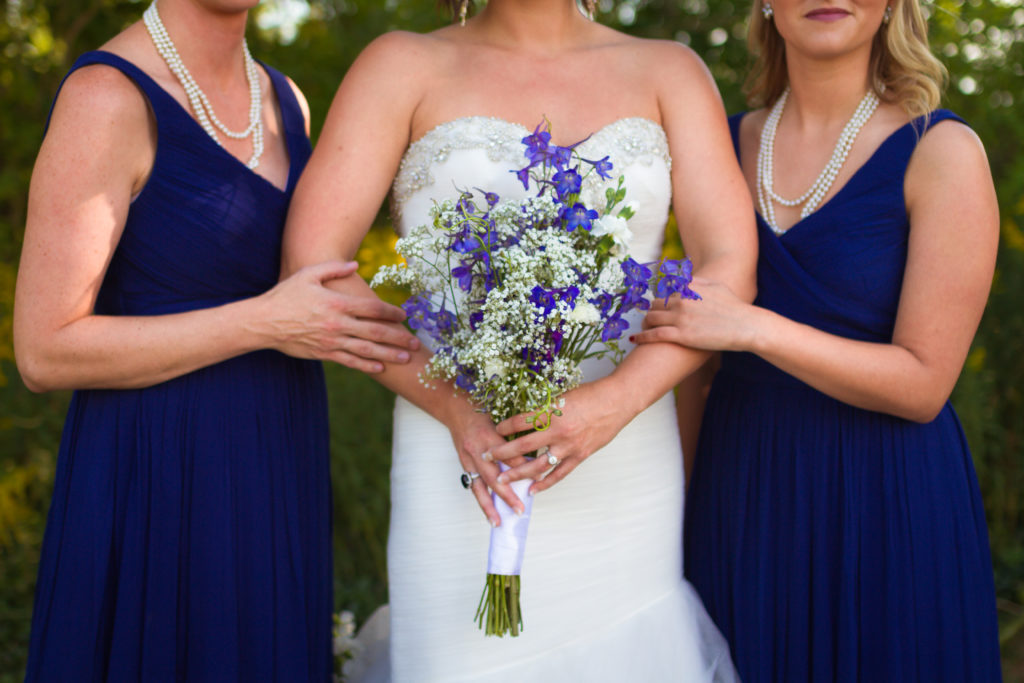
(189, 532)
(831, 543)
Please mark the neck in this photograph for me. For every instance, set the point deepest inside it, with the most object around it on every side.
(825, 93)
(546, 25)
(209, 42)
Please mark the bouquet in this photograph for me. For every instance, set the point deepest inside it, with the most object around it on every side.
(515, 295)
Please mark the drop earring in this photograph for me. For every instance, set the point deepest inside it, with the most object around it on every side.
(767, 11)
(463, 8)
(887, 16)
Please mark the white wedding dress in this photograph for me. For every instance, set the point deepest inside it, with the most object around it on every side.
(603, 596)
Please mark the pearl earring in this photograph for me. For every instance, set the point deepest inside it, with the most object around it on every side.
(888, 15)
(591, 7)
(767, 11)
(463, 8)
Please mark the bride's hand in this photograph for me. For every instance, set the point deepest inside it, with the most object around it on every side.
(474, 434)
(719, 321)
(590, 418)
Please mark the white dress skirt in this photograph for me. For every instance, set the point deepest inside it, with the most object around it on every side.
(603, 594)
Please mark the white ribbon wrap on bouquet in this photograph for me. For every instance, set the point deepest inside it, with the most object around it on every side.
(508, 541)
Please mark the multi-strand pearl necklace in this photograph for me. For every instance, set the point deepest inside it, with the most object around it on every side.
(197, 98)
(766, 194)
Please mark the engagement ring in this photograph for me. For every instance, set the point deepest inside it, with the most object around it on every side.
(468, 478)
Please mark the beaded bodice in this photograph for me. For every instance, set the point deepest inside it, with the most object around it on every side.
(481, 152)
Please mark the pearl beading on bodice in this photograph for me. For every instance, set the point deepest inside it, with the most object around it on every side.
(626, 141)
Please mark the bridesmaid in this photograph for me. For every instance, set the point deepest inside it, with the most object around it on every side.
(834, 526)
(189, 532)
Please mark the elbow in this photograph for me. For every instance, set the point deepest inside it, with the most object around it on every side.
(923, 408)
(33, 376)
(37, 374)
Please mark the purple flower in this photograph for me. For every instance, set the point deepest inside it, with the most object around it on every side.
(561, 156)
(418, 313)
(637, 274)
(537, 145)
(491, 198)
(613, 328)
(578, 216)
(524, 176)
(676, 278)
(602, 166)
(463, 274)
(543, 299)
(567, 182)
(464, 381)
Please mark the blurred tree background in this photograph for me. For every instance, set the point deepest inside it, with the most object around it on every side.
(314, 42)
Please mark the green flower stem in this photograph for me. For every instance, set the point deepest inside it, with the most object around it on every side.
(498, 613)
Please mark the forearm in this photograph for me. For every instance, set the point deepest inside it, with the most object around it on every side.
(130, 352)
(886, 378)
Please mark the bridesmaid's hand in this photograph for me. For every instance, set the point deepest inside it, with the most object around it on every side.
(303, 318)
(474, 434)
(591, 417)
(718, 321)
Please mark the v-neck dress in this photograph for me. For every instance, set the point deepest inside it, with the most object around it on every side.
(189, 532)
(831, 543)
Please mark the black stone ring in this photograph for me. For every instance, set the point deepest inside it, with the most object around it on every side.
(468, 478)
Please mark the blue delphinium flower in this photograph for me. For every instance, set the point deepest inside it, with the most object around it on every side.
(543, 299)
(602, 166)
(613, 328)
(538, 146)
(578, 216)
(676, 278)
(567, 182)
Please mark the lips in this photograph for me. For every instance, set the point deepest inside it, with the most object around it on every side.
(827, 14)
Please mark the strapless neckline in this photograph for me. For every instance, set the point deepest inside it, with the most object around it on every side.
(625, 140)
(642, 120)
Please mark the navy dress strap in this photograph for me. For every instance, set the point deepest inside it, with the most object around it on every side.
(294, 122)
(154, 93)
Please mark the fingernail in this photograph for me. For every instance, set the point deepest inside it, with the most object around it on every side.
(494, 524)
(632, 338)
(403, 357)
(487, 456)
(520, 510)
(502, 478)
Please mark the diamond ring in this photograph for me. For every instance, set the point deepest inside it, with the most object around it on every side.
(468, 478)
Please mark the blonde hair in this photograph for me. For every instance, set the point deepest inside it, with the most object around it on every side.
(903, 68)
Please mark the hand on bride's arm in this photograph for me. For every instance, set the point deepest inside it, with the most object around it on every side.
(719, 321)
(304, 317)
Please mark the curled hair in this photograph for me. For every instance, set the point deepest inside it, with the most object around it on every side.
(903, 69)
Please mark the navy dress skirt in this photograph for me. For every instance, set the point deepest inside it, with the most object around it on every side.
(831, 543)
(189, 534)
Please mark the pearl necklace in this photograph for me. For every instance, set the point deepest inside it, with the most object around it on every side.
(197, 98)
(810, 199)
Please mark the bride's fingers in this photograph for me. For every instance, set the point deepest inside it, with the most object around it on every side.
(483, 499)
(525, 445)
(659, 318)
(530, 470)
(554, 476)
(516, 424)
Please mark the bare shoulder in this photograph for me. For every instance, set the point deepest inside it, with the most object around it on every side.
(103, 98)
(948, 157)
(949, 143)
(671, 60)
(404, 55)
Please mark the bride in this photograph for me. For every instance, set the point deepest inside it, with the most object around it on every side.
(603, 593)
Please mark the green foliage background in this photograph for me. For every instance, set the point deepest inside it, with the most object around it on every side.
(981, 42)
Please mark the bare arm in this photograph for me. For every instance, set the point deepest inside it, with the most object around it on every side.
(97, 153)
(716, 222)
(951, 257)
(341, 190)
